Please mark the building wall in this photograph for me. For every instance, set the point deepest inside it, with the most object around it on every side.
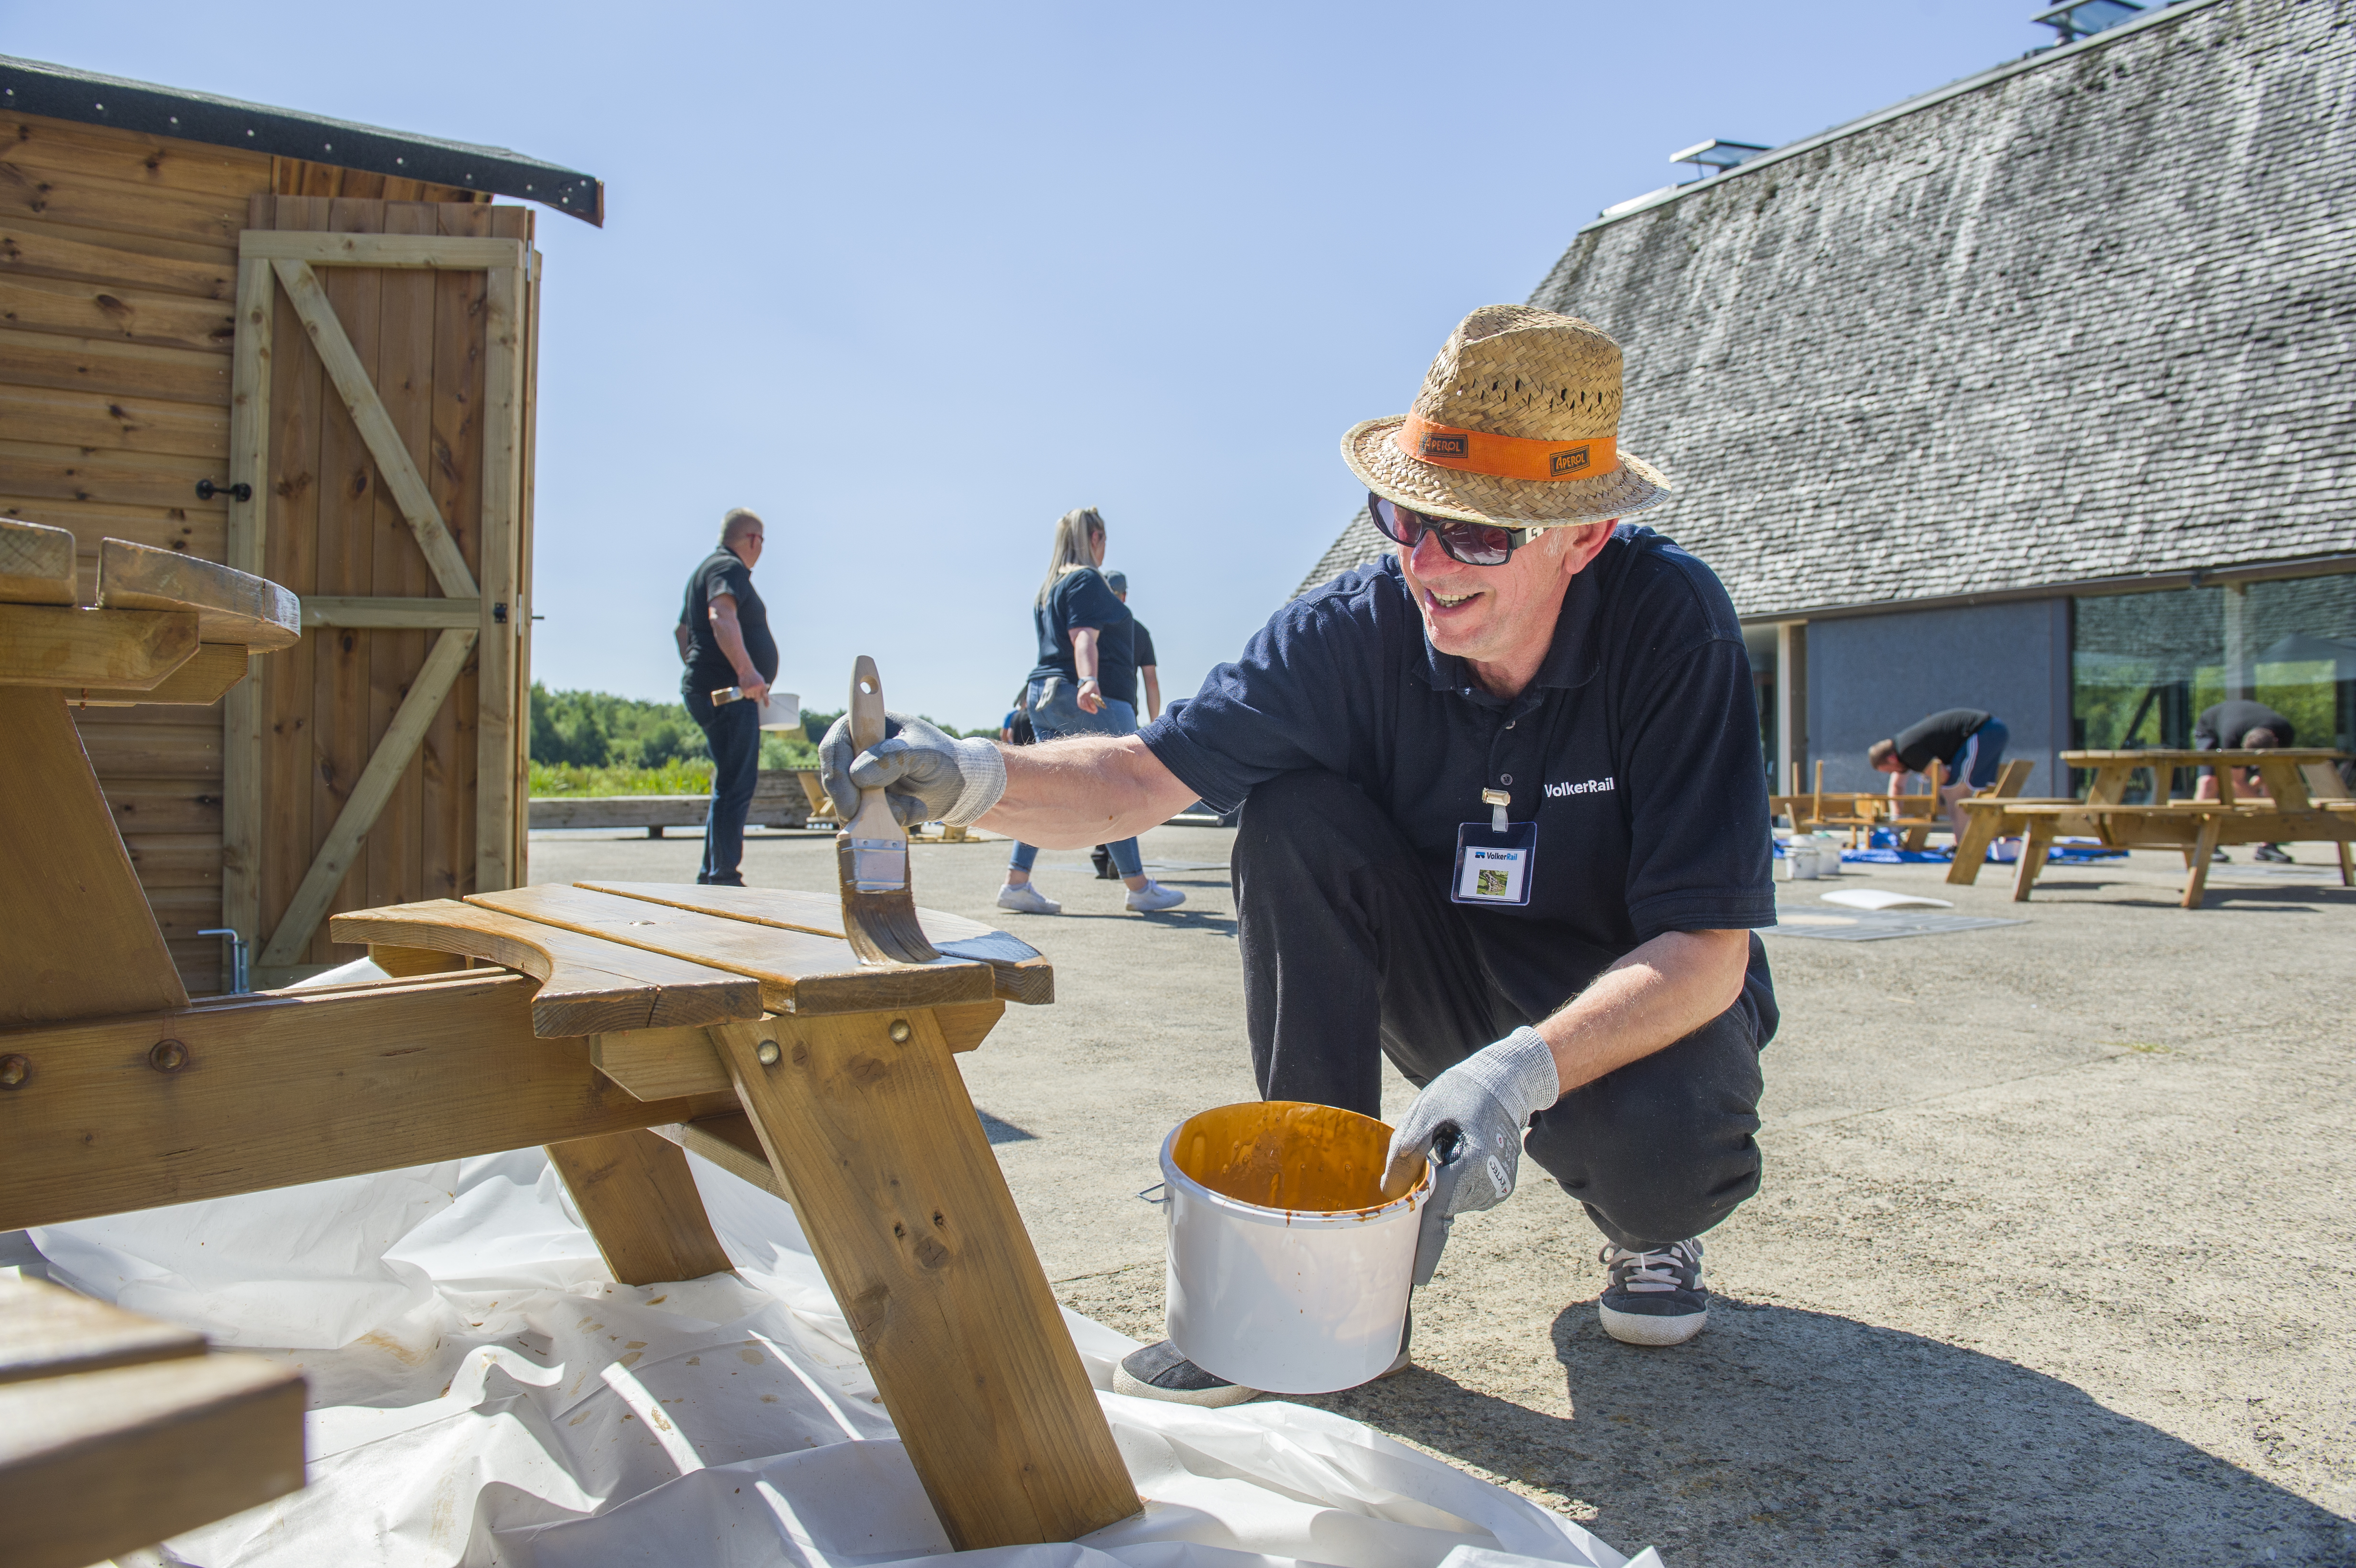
(118, 281)
(1870, 676)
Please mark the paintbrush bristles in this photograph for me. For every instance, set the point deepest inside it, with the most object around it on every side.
(871, 853)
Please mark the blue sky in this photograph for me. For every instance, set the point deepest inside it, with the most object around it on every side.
(912, 281)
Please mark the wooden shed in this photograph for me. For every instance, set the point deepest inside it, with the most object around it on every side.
(304, 348)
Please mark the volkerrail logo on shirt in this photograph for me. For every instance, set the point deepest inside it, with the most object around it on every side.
(1585, 786)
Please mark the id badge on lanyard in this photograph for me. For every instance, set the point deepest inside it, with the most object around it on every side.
(1493, 858)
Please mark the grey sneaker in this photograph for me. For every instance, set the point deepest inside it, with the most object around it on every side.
(1159, 1371)
(1656, 1297)
(1154, 896)
(1025, 899)
(2274, 853)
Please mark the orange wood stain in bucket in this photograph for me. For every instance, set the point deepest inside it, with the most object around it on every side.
(1284, 1153)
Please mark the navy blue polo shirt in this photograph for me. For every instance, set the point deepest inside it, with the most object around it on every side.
(1636, 749)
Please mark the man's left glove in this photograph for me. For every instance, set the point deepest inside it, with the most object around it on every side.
(927, 775)
(1487, 1098)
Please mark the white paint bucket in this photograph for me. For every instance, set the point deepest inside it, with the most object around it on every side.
(1288, 1294)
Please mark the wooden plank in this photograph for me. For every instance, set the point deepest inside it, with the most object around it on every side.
(100, 421)
(414, 251)
(363, 613)
(37, 563)
(115, 368)
(341, 691)
(202, 682)
(46, 471)
(38, 148)
(395, 870)
(297, 403)
(799, 972)
(106, 311)
(368, 796)
(175, 859)
(100, 1463)
(287, 1087)
(76, 938)
(122, 650)
(498, 788)
(526, 594)
(659, 1063)
(43, 250)
(446, 807)
(910, 1219)
(638, 1199)
(1020, 972)
(729, 1142)
(46, 1332)
(119, 206)
(197, 530)
(230, 606)
(163, 806)
(394, 463)
(164, 744)
(587, 985)
(244, 710)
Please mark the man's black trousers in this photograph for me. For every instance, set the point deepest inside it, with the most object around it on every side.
(734, 731)
(1352, 951)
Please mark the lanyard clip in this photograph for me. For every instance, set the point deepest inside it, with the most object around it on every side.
(1496, 800)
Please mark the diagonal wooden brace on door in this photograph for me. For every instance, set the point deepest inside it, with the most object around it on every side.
(370, 792)
(375, 428)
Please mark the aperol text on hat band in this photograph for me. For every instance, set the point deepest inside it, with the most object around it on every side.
(1506, 456)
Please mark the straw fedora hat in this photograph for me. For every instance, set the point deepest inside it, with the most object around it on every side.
(1517, 424)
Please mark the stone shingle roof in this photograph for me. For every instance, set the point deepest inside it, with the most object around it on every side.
(2086, 315)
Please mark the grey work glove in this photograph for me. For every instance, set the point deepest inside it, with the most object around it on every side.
(1488, 1099)
(927, 775)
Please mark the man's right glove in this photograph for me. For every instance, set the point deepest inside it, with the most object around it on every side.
(1488, 1098)
(927, 775)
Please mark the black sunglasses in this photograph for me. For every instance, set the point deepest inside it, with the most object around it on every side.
(1474, 544)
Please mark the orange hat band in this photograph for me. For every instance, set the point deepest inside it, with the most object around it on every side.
(1506, 456)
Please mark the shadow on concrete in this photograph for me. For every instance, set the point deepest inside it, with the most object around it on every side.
(1783, 1437)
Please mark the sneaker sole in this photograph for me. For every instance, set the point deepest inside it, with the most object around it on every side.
(1206, 1399)
(1644, 1328)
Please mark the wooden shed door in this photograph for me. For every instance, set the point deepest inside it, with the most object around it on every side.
(381, 411)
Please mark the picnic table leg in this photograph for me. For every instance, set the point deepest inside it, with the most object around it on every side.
(866, 1121)
(638, 1199)
(2034, 841)
(2347, 866)
(2204, 849)
(1971, 849)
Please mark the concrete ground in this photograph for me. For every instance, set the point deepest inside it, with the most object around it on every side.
(2053, 1262)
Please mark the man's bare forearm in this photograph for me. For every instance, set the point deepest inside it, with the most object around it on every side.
(1083, 790)
(1653, 997)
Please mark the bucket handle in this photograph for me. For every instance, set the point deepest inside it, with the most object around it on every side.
(1431, 1232)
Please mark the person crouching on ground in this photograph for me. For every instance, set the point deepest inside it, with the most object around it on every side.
(1085, 683)
(1599, 1002)
(2253, 726)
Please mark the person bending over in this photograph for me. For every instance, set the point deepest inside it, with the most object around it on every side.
(1581, 983)
(2253, 726)
(1967, 742)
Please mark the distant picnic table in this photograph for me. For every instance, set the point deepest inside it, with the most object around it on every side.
(2305, 801)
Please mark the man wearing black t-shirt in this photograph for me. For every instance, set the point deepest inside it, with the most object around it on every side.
(1967, 742)
(2241, 722)
(724, 641)
(1504, 823)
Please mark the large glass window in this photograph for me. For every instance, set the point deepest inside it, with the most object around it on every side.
(2144, 667)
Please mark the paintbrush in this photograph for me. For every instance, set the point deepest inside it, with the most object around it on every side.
(871, 853)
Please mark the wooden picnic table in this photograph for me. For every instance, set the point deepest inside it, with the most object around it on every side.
(2306, 802)
(615, 1024)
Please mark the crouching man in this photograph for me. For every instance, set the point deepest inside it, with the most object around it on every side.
(1504, 821)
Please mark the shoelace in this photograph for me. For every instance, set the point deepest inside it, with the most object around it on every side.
(1656, 1270)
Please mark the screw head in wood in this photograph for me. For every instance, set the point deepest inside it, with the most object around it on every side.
(768, 1052)
(14, 1070)
(167, 1056)
(899, 1031)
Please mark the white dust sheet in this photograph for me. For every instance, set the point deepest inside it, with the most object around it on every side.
(482, 1393)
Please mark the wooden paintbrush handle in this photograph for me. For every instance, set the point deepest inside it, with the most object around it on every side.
(866, 704)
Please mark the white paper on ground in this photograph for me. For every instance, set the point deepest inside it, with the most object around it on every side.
(1875, 898)
(482, 1393)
